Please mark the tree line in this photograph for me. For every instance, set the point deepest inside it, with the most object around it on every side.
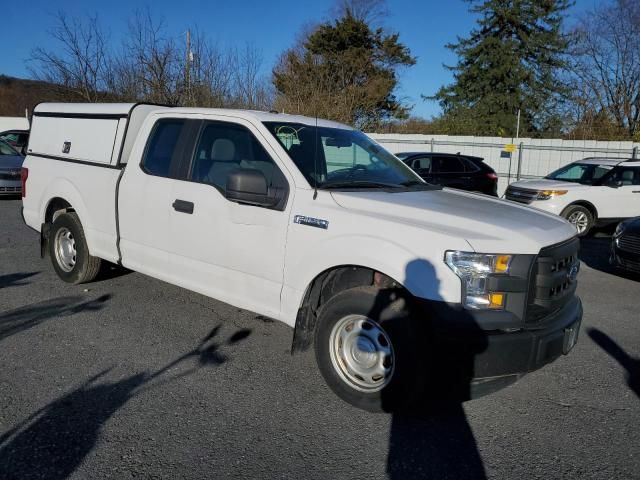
(148, 65)
(579, 81)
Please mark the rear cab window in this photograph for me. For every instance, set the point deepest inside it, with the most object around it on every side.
(161, 155)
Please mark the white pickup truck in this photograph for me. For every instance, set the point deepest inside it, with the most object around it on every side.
(401, 287)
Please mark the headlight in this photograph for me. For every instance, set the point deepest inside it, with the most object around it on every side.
(474, 269)
(547, 194)
(620, 229)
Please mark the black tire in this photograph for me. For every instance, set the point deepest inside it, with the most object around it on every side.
(390, 311)
(86, 267)
(577, 210)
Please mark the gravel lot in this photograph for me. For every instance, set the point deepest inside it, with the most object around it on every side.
(132, 377)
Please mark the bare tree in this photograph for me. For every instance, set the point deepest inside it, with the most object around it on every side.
(372, 12)
(151, 65)
(81, 69)
(250, 88)
(152, 60)
(605, 69)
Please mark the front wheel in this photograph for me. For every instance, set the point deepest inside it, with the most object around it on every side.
(364, 350)
(580, 217)
(69, 251)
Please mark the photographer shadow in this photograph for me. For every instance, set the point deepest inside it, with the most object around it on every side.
(626, 361)
(54, 441)
(432, 438)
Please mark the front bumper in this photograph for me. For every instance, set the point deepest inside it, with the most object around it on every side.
(10, 187)
(480, 361)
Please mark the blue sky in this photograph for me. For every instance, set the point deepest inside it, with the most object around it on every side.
(424, 26)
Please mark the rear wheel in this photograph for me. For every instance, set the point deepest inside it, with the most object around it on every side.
(364, 350)
(69, 251)
(580, 217)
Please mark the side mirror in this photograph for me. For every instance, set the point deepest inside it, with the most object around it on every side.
(249, 186)
(615, 184)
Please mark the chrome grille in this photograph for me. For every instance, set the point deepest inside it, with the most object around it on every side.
(553, 280)
(521, 195)
(629, 243)
(10, 189)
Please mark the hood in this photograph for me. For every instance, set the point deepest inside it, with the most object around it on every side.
(488, 224)
(546, 184)
(10, 161)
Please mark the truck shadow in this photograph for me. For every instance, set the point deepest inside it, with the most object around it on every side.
(432, 438)
(630, 364)
(16, 279)
(24, 318)
(53, 441)
(595, 252)
(110, 270)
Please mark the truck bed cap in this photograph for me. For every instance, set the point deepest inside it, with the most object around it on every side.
(116, 109)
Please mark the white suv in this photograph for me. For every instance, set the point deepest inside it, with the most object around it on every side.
(587, 192)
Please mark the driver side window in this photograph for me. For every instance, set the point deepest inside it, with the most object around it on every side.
(226, 147)
(625, 176)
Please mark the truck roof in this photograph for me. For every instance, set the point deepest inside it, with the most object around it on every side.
(115, 110)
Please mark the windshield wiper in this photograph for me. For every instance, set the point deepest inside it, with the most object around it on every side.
(359, 184)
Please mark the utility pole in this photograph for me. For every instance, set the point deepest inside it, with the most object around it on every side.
(519, 147)
(188, 69)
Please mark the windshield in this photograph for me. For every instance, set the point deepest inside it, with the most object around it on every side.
(585, 173)
(344, 159)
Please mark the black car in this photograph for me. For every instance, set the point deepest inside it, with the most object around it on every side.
(18, 139)
(625, 246)
(453, 170)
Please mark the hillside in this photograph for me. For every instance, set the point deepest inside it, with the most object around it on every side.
(16, 94)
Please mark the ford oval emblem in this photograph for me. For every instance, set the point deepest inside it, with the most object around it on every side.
(572, 274)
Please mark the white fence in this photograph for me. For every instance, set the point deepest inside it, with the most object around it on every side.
(534, 158)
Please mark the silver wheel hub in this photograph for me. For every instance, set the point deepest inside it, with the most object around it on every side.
(361, 353)
(579, 220)
(65, 249)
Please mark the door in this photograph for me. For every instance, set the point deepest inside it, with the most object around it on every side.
(621, 193)
(449, 171)
(145, 198)
(220, 248)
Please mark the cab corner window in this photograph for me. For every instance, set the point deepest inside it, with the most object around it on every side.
(161, 149)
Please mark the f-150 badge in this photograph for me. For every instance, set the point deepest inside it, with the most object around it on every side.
(311, 222)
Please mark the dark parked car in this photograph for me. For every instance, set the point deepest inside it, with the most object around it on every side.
(10, 168)
(453, 170)
(625, 247)
(18, 139)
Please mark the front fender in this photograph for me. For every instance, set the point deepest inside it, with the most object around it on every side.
(424, 276)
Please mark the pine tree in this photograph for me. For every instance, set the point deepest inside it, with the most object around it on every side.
(510, 61)
(345, 71)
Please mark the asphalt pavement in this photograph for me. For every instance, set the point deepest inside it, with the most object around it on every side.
(131, 377)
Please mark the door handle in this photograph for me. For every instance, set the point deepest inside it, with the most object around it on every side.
(183, 206)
